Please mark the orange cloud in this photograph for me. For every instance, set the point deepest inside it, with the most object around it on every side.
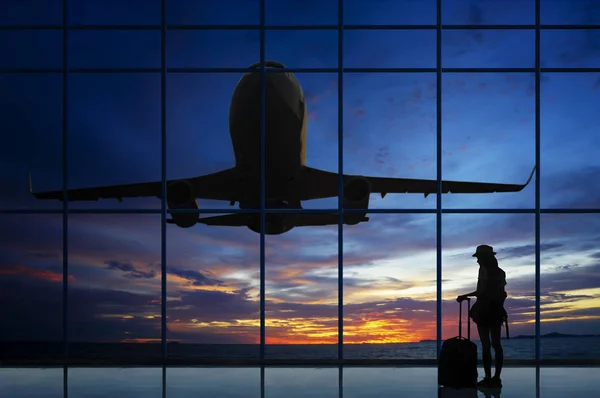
(34, 273)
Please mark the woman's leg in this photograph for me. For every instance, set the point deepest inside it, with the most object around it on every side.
(498, 352)
(484, 337)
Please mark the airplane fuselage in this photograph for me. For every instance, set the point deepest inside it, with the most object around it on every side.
(285, 118)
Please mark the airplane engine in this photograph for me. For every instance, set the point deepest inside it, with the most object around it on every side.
(356, 196)
(180, 192)
(180, 196)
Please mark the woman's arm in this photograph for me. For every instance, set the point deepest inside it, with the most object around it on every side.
(477, 293)
(481, 285)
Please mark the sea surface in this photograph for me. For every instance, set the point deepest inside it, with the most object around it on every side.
(519, 348)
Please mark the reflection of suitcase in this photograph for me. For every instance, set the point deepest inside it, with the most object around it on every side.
(457, 365)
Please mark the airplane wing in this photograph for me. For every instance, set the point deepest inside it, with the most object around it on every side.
(222, 185)
(319, 184)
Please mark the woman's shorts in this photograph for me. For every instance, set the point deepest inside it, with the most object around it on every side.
(488, 314)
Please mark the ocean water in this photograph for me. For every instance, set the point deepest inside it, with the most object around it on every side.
(522, 348)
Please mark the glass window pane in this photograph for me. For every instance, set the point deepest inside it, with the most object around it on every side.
(488, 12)
(570, 286)
(389, 287)
(30, 111)
(212, 48)
(301, 307)
(311, 48)
(114, 299)
(389, 49)
(199, 139)
(114, 139)
(305, 12)
(397, 12)
(512, 237)
(31, 49)
(570, 48)
(114, 12)
(114, 49)
(488, 137)
(568, 12)
(31, 12)
(488, 48)
(31, 288)
(213, 294)
(390, 131)
(569, 140)
(213, 12)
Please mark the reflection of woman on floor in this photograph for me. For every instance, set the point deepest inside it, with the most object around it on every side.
(493, 393)
(488, 312)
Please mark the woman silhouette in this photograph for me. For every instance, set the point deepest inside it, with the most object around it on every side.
(488, 312)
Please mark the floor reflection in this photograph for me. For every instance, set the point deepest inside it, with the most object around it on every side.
(292, 382)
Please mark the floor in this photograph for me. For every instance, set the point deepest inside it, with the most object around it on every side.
(414, 382)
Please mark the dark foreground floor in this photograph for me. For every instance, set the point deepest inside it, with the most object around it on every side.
(414, 382)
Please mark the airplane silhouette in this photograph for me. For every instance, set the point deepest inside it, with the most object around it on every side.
(288, 180)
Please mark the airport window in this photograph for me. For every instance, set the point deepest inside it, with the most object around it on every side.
(247, 184)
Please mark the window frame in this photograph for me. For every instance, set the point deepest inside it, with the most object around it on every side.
(65, 71)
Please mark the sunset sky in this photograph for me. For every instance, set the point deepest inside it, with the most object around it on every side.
(488, 128)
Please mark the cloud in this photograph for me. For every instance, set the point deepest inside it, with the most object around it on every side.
(527, 250)
(359, 112)
(196, 278)
(572, 278)
(576, 192)
(382, 154)
(596, 85)
(47, 275)
(35, 312)
(129, 270)
(567, 278)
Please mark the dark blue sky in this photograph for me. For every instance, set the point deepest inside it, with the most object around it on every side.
(488, 127)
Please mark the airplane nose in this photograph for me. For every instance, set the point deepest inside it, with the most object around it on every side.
(269, 64)
(281, 89)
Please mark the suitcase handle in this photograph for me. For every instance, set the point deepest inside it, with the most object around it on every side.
(468, 319)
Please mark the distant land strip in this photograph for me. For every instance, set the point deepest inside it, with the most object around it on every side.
(532, 336)
(15, 363)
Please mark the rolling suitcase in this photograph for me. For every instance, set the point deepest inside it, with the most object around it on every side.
(457, 367)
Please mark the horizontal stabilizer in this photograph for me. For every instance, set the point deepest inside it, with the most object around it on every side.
(299, 219)
(227, 220)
